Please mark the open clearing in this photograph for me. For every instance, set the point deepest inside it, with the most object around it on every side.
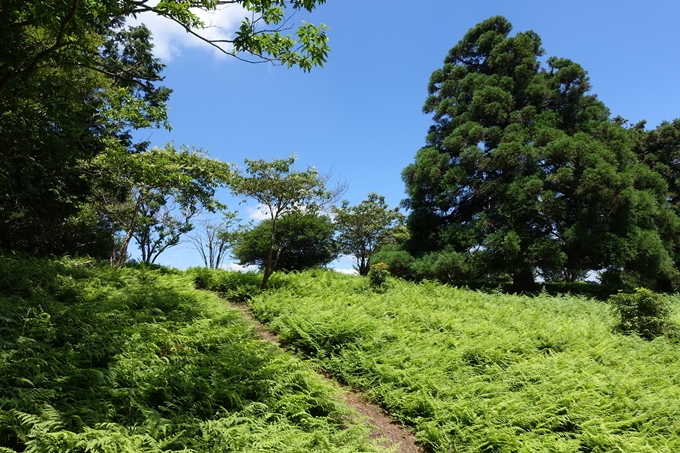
(473, 371)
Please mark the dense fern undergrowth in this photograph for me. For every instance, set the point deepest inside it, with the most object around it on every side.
(480, 372)
(98, 360)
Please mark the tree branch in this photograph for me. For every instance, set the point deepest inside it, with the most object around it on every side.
(58, 44)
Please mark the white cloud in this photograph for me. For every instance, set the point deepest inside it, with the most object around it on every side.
(237, 267)
(259, 212)
(345, 265)
(170, 38)
(346, 271)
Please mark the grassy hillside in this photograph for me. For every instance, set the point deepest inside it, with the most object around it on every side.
(97, 360)
(476, 372)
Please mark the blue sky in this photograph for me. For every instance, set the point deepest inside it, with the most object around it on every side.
(360, 115)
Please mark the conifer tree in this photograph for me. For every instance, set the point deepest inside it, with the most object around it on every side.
(524, 166)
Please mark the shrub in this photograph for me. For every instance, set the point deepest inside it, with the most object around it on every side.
(642, 312)
(445, 266)
(232, 285)
(378, 274)
(398, 261)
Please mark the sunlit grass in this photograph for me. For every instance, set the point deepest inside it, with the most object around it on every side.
(473, 371)
(98, 360)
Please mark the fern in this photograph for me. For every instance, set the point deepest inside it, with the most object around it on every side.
(473, 371)
(100, 360)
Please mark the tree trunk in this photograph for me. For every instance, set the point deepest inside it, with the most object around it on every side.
(268, 264)
(363, 265)
(276, 260)
(523, 279)
(128, 235)
(112, 256)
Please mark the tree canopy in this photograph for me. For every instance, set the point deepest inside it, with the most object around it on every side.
(524, 166)
(303, 240)
(75, 81)
(363, 229)
(37, 36)
(137, 191)
(280, 189)
(57, 117)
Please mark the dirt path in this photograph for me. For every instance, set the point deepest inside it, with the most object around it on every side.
(383, 428)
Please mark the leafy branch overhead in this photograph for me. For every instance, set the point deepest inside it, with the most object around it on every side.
(262, 36)
(35, 35)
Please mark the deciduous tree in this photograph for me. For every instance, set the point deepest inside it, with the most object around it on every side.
(73, 77)
(303, 240)
(186, 178)
(363, 229)
(55, 119)
(212, 240)
(37, 36)
(161, 223)
(280, 190)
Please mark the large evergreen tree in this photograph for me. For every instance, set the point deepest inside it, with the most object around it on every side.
(659, 149)
(526, 168)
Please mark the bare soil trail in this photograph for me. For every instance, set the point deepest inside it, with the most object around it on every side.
(382, 427)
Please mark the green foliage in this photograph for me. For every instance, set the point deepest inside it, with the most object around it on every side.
(58, 115)
(364, 228)
(137, 193)
(75, 82)
(303, 241)
(446, 266)
(453, 268)
(281, 190)
(473, 371)
(35, 38)
(234, 286)
(642, 312)
(585, 289)
(135, 360)
(377, 275)
(660, 150)
(526, 169)
(399, 261)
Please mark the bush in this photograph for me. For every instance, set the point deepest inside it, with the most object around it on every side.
(642, 312)
(377, 275)
(232, 285)
(445, 266)
(398, 261)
